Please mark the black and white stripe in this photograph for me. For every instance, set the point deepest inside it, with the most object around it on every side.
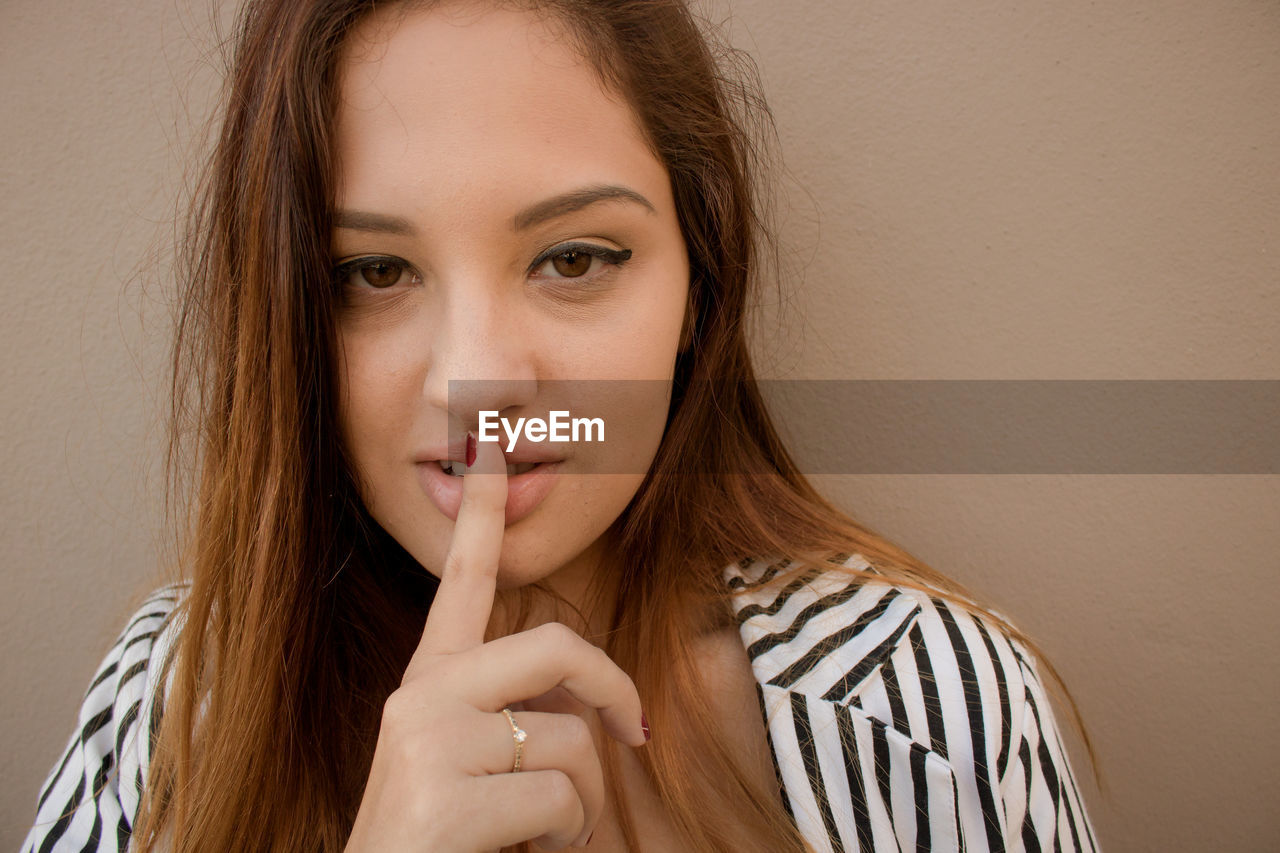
(900, 722)
(897, 722)
(90, 798)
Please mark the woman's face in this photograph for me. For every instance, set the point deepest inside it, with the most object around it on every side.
(490, 192)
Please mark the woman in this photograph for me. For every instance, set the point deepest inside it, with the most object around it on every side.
(398, 636)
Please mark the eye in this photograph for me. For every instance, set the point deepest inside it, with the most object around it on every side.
(576, 260)
(379, 273)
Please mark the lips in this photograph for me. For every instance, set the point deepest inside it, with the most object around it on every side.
(523, 453)
(525, 490)
(456, 468)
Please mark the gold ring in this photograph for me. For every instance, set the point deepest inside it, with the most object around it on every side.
(518, 734)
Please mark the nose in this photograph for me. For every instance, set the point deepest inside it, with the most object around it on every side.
(482, 359)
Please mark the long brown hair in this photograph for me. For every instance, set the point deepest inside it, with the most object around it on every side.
(301, 612)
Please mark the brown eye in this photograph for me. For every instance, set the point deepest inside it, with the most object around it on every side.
(381, 273)
(572, 264)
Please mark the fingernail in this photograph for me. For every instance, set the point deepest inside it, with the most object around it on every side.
(644, 724)
(471, 449)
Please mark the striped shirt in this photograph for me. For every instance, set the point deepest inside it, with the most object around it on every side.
(899, 722)
(92, 794)
(896, 722)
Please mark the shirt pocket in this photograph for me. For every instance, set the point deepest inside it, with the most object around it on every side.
(910, 789)
(854, 783)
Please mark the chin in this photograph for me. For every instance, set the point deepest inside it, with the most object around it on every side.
(530, 556)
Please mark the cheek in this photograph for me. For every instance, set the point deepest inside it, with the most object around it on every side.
(376, 393)
(666, 309)
(644, 339)
(635, 415)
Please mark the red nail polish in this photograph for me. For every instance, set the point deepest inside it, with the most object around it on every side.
(471, 450)
(644, 724)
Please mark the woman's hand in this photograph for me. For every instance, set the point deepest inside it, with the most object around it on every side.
(441, 777)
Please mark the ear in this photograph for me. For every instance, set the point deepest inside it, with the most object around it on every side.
(690, 320)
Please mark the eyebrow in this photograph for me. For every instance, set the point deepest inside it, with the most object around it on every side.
(561, 205)
(567, 203)
(359, 220)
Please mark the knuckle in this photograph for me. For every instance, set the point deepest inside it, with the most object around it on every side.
(452, 563)
(561, 795)
(396, 711)
(576, 731)
(438, 815)
(461, 562)
(559, 636)
(414, 726)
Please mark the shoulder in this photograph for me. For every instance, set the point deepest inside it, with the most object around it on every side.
(92, 793)
(945, 676)
(896, 715)
(829, 634)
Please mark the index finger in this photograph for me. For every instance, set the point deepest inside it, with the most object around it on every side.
(460, 612)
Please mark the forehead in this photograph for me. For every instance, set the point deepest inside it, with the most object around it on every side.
(462, 98)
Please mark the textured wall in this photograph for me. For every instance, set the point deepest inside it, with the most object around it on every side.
(976, 191)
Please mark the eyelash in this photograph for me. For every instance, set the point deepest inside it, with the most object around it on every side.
(613, 257)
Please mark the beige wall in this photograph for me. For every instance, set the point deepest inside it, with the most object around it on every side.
(985, 191)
